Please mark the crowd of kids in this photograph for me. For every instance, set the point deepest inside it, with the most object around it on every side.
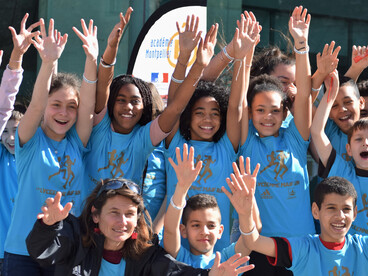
(105, 141)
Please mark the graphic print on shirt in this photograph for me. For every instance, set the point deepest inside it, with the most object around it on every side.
(365, 206)
(206, 170)
(115, 162)
(65, 169)
(343, 272)
(278, 160)
(346, 157)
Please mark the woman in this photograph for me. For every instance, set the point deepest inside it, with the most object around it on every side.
(111, 237)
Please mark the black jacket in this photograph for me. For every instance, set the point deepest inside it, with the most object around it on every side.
(61, 244)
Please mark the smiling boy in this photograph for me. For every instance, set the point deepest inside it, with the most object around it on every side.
(332, 164)
(333, 252)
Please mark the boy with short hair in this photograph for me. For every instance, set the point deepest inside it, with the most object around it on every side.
(333, 252)
(201, 221)
(332, 164)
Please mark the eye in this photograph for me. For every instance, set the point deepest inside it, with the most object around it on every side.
(136, 102)
(216, 114)
(120, 100)
(347, 209)
(276, 111)
(211, 226)
(260, 110)
(195, 225)
(56, 104)
(358, 139)
(334, 106)
(199, 113)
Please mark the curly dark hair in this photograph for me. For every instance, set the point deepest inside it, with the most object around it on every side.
(133, 248)
(205, 89)
(265, 83)
(118, 82)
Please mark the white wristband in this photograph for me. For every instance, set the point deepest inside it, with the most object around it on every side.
(177, 207)
(105, 65)
(88, 81)
(176, 80)
(226, 54)
(316, 90)
(249, 233)
(306, 51)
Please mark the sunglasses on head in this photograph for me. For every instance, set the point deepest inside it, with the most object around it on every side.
(117, 184)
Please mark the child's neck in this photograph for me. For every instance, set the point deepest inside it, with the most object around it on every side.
(197, 253)
(332, 245)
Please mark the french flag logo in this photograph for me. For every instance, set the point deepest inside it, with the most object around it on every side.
(160, 77)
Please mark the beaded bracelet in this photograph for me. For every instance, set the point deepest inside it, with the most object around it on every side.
(306, 51)
(177, 207)
(176, 80)
(249, 233)
(105, 65)
(88, 81)
(226, 54)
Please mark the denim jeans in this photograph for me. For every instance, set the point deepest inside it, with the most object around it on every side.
(20, 265)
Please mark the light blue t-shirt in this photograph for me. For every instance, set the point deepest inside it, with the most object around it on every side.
(217, 161)
(311, 257)
(44, 167)
(115, 155)
(109, 269)
(337, 138)
(8, 191)
(359, 179)
(203, 261)
(154, 184)
(282, 191)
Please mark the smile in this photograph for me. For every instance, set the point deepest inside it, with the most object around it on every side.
(126, 115)
(61, 122)
(338, 226)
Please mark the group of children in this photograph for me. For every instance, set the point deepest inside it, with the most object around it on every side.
(75, 133)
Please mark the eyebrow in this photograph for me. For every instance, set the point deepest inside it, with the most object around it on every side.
(283, 77)
(131, 97)
(262, 105)
(202, 108)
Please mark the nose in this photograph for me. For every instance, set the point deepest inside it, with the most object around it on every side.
(205, 230)
(366, 141)
(62, 110)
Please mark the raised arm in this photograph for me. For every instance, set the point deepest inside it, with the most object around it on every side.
(359, 61)
(88, 88)
(13, 74)
(50, 48)
(168, 120)
(299, 29)
(186, 174)
(326, 64)
(54, 212)
(244, 41)
(188, 40)
(320, 139)
(107, 62)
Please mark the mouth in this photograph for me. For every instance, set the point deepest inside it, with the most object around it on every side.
(345, 118)
(61, 122)
(364, 154)
(267, 125)
(119, 231)
(338, 226)
(206, 128)
(127, 115)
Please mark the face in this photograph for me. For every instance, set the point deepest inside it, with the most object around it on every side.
(346, 109)
(128, 109)
(8, 137)
(364, 111)
(286, 74)
(60, 113)
(358, 148)
(336, 216)
(206, 119)
(267, 113)
(117, 221)
(203, 229)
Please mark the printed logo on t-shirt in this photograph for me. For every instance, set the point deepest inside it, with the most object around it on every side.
(65, 168)
(363, 212)
(291, 193)
(278, 160)
(206, 170)
(266, 194)
(344, 271)
(346, 157)
(114, 164)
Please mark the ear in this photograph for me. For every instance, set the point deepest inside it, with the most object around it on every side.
(361, 103)
(183, 231)
(355, 212)
(94, 216)
(221, 230)
(348, 150)
(315, 211)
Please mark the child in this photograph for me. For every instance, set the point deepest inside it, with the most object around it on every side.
(124, 135)
(333, 252)
(211, 121)
(283, 185)
(201, 217)
(363, 91)
(49, 157)
(332, 164)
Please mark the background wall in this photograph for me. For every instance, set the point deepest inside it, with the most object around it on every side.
(343, 21)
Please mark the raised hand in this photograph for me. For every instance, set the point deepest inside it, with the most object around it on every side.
(117, 32)
(233, 266)
(299, 25)
(246, 35)
(242, 186)
(22, 41)
(54, 211)
(51, 46)
(328, 61)
(89, 39)
(332, 85)
(206, 47)
(189, 37)
(359, 57)
(185, 170)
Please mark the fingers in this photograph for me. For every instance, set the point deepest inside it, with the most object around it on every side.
(42, 28)
(13, 32)
(255, 172)
(171, 161)
(185, 152)
(247, 166)
(51, 28)
(34, 25)
(23, 22)
(217, 260)
(128, 13)
(241, 165)
(67, 209)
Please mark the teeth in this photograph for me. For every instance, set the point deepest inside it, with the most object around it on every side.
(126, 116)
(119, 231)
(205, 127)
(268, 125)
(338, 225)
(345, 117)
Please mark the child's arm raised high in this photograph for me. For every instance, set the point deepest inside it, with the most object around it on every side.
(50, 48)
(186, 172)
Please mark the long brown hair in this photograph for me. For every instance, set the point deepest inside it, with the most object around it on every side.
(133, 248)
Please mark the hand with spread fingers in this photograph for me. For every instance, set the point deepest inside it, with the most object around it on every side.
(117, 32)
(189, 37)
(235, 265)
(89, 39)
(53, 211)
(206, 47)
